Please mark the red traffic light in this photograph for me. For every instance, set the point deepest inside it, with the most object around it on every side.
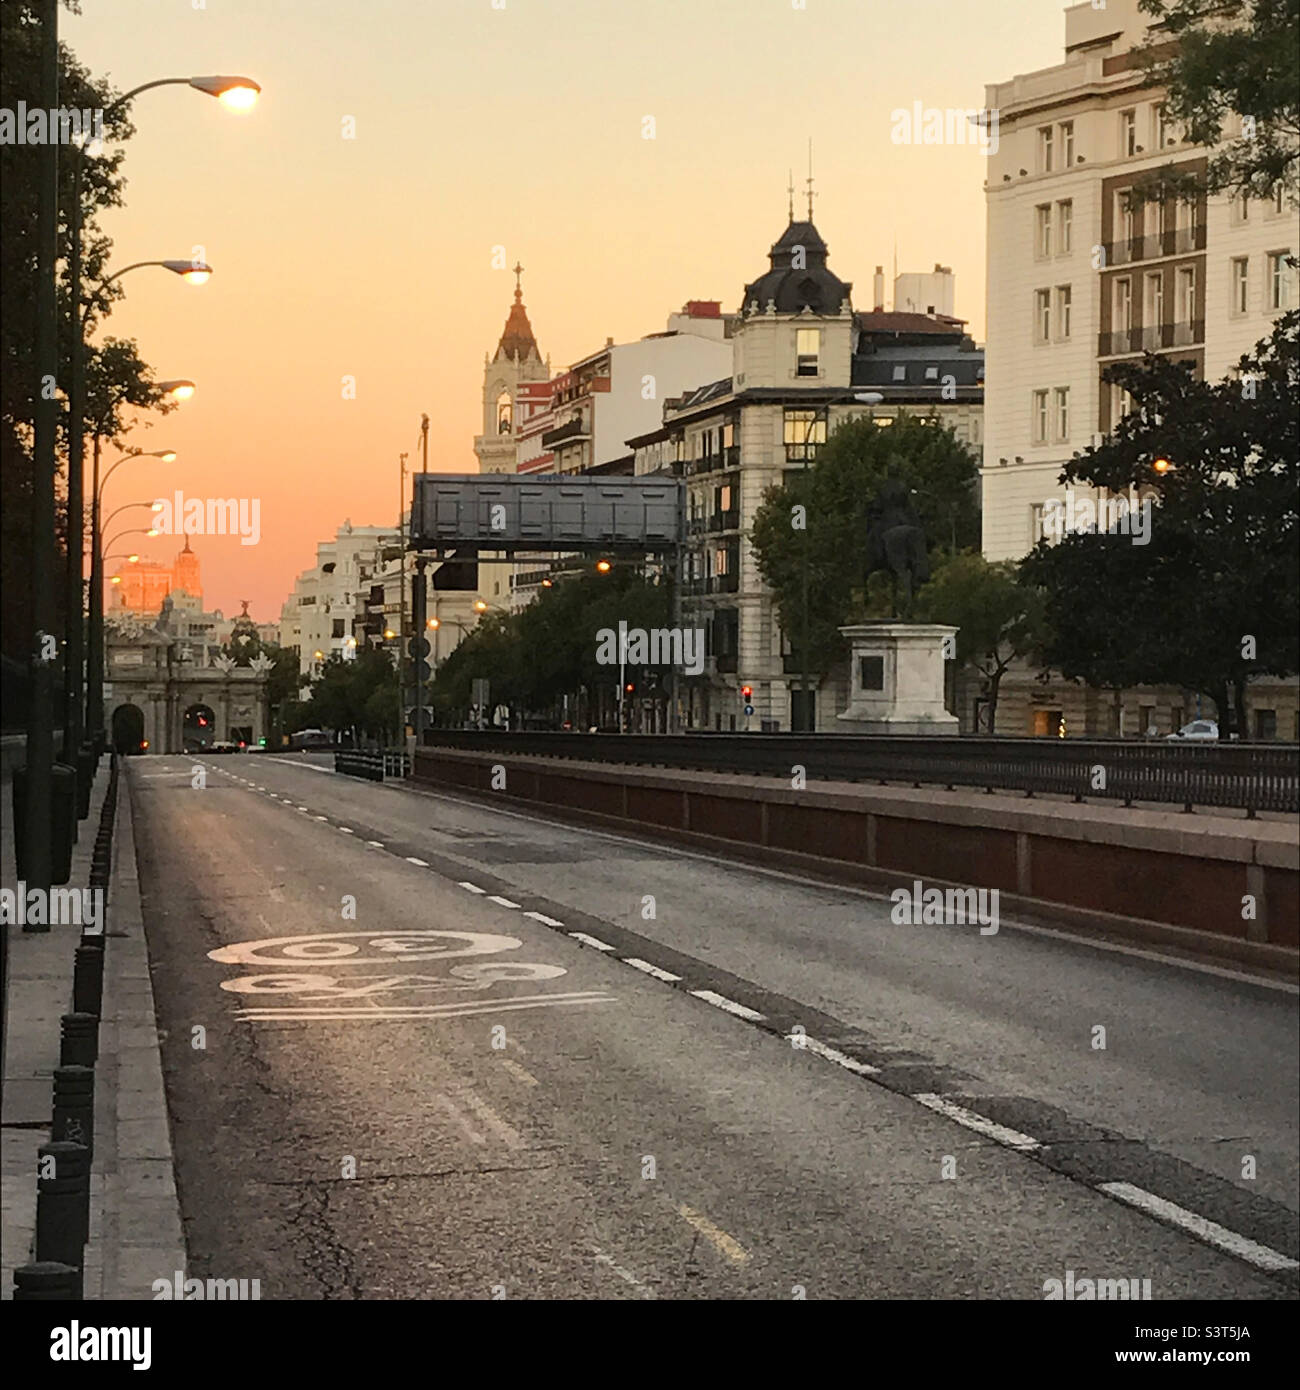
(629, 687)
(746, 693)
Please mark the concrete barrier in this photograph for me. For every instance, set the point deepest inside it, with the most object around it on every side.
(1208, 884)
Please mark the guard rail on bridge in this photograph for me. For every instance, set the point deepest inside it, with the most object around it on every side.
(1254, 777)
(374, 766)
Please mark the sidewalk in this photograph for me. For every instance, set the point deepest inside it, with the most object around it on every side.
(135, 1229)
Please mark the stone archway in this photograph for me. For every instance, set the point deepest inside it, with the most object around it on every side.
(198, 727)
(128, 729)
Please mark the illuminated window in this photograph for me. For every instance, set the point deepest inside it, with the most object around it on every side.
(808, 342)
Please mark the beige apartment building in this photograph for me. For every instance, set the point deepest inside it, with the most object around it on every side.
(1080, 277)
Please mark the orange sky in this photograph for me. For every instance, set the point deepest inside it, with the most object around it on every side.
(475, 127)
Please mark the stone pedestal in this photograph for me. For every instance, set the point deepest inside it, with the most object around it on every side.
(896, 679)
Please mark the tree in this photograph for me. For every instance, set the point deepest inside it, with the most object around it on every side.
(358, 697)
(1212, 595)
(116, 377)
(809, 535)
(998, 619)
(1218, 62)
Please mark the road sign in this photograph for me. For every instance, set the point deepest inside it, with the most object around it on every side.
(418, 647)
(749, 709)
(423, 670)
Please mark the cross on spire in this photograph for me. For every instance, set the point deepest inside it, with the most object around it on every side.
(809, 181)
(790, 190)
(519, 270)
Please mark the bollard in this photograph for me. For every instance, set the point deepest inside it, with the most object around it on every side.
(79, 1040)
(62, 1202)
(88, 980)
(47, 1279)
(74, 1106)
(85, 779)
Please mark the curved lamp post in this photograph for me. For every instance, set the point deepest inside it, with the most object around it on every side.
(236, 93)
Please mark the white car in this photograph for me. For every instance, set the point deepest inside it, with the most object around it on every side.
(1199, 730)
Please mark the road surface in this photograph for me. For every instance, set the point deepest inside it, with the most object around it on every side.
(416, 1045)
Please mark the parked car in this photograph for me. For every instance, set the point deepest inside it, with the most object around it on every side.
(222, 746)
(1199, 731)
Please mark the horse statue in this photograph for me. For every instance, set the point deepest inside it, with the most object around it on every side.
(896, 543)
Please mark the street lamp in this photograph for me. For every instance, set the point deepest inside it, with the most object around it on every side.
(95, 644)
(236, 93)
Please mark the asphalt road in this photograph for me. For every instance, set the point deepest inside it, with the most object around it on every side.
(421, 1046)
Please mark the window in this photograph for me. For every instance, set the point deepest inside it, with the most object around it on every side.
(728, 436)
(1122, 315)
(1035, 522)
(1042, 315)
(1241, 207)
(1281, 280)
(724, 498)
(805, 430)
(1062, 413)
(1045, 149)
(1121, 404)
(1040, 417)
(1153, 311)
(1065, 224)
(1064, 298)
(1128, 134)
(1279, 200)
(1067, 144)
(1161, 127)
(1187, 294)
(1043, 234)
(808, 343)
(932, 374)
(1240, 284)
(337, 627)
(1124, 217)
(900, 373)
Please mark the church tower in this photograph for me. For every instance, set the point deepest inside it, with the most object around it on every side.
(517, 360)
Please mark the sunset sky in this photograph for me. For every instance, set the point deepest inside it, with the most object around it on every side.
(478, 126)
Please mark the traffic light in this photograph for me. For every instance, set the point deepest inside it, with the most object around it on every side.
(629, 687)
(747, 693)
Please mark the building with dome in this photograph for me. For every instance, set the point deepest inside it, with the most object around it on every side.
(800, 358)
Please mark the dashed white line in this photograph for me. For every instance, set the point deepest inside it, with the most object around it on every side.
(722, 1002)
(649, 969)
(346, 830)
(419, 863)
(1242, 1246)
(1012, 1138)
(503, 902)
(833, 1054)
(591, 941)
(375, 844)
(322, 818)
(471, 887)
(544, 919)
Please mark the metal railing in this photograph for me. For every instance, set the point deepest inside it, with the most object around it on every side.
(1254, 777)
(374, 766)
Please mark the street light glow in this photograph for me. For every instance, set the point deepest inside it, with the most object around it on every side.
(1162, 465)
(603, 566)
(192, 272)
(234, 93)
(434, 624)
(480, 606)
(167, 456)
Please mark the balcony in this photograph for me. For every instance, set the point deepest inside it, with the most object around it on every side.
(713, 584)
(1176, 241)
(725, 521)
(564, 434)
(1157, 338)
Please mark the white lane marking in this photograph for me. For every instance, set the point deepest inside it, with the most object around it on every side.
(322, 818)
(375, 844)
(544, 919)
(1261, 1256)
(468, 1008)
(833, 1054)
(304, 808)
(471, 887)
(419, 863)
(740, 866)
(503, 1129)
(591, 941)
(722, 1002)
(522, 1072)
(625, 1275)
(346, 830)
(504, 902)
(715, 1235)
(1012, 1138)
(649, 969)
